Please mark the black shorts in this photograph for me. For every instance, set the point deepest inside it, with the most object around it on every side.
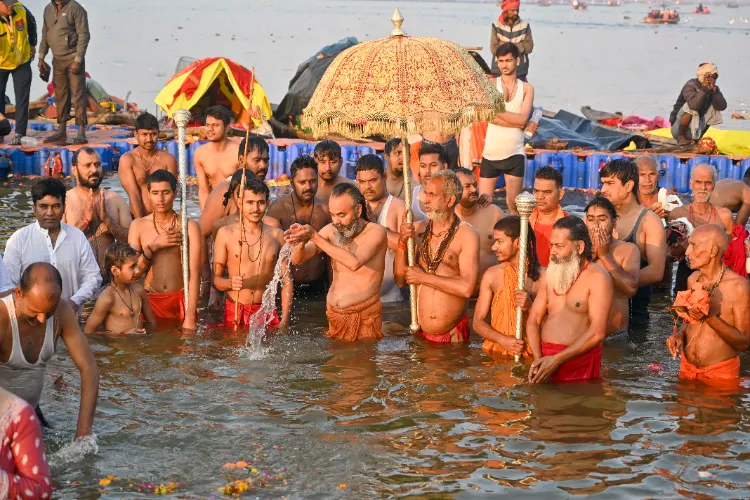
(515, 166)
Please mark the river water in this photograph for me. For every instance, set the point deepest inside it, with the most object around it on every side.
(396, 418)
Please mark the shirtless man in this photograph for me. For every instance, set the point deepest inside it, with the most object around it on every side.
(39, 319)
(248, 277)
(258, 156)
(734, 195)
(636, 225)
(431, 160)
(700, 211)
(102, 215)
(386, 210)
(157, 237)
(447, 262)
(357, 250)
(328, 156)
(302, 207)
(449, 144)
(568, 320)
(394, 171)
(499, 294)
(649, 191)
(620, 259)
(217, 159)
(482, 219)
(139, 163)
(709, 344)
(548, 191)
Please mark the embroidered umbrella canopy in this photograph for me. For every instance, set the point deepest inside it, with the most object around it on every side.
(398, 86)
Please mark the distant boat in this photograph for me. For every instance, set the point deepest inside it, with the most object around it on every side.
(700, 9)
(663, 16)
(732, 5)
(543, 3)
(578, 5)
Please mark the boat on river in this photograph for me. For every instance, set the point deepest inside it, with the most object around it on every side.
(701, 9)
(662, 16)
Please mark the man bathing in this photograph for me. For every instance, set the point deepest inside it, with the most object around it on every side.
(568, 319)
(548, 191)
(123, 305)
(659, 200)
(432, 159)
(328, 156)
(158, 238)
(481, 218)
(619, 258)
(136, 165)
(357, 250)
(499, 295)
(709, 341)
(386, 210)
(734, 195)
(447, 262)
(301, 206)
(248, 250)
(217, 159)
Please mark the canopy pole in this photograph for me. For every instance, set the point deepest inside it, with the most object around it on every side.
(410, 252)
(525, 203)
(181, 119)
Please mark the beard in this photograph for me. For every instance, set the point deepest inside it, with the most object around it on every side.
(346, 233)
(562, 273)
(90, 184)
(701, 196)
(436, 215)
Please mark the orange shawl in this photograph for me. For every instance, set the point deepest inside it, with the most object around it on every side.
(725, 370)
(503, 312)
(358, 322)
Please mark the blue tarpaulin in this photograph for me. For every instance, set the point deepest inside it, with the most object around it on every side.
(577, 131)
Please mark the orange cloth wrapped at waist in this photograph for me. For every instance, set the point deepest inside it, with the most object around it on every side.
(461, 329)
(584, 367)
(735, 255)
(503, 312)
(357, 322)
(725, 370)
(168, 305)
(244, 311)
(698, 297)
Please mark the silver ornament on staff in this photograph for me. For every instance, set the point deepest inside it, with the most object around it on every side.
(410, 250)
(181, 119)
(525, 203)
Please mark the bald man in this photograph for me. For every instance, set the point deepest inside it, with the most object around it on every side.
(735, 196)
(709, 344)
(32, 318)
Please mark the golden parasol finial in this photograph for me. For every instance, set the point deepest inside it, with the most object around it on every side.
(397, 21)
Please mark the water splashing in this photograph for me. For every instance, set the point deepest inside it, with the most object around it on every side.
(75, 451)
(262, 318)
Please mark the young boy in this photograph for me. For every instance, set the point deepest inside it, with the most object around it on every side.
(259, 244)
(123, 304)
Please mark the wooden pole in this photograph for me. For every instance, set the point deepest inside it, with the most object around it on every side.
(525, 203)
(181, 119)
(411, 257)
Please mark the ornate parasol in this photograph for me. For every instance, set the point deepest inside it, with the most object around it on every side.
(398, 86)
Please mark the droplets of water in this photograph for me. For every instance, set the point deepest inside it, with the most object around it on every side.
(260, 320)
(75, 451)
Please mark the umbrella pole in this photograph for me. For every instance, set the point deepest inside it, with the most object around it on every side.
(525, 204)
(182, 118)
(242, 195)
(411, 260)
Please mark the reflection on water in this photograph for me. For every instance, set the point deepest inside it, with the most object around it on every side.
(392, 418)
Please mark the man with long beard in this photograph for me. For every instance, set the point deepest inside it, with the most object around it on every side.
(447, 262)
(329, 158)
(700, 211)
(620, 258)
(357, 251)
(102, 215)
(711, 338)
(481, 217)
(568, 320)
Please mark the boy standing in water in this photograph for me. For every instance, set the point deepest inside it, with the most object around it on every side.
(124, 302)
(255, 249)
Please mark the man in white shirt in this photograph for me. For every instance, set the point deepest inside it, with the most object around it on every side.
(50, 240)
(6, 285)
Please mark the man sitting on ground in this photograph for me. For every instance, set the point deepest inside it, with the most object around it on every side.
(357, 251)
(216, 160)
(329, 158)
(698, 106)
(447, 262)
(568, 320)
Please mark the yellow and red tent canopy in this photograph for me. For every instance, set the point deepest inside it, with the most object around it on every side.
(232, 80)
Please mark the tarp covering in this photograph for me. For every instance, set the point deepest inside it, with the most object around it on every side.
(729, 142)
(583, 133)
(305, 81)
(215, 80)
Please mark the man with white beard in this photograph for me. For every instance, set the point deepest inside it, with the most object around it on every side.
(700, 211)
(357, 251)
(568, 320)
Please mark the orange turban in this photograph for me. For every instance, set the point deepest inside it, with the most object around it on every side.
(510, 5)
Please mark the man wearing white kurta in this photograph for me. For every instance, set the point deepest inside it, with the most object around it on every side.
(50, 240)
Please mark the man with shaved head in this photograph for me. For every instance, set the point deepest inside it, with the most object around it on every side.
(32, 318)
(700, 211)
(709, 342)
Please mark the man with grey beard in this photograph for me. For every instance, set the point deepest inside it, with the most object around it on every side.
(700, 211)
(357, 251)
(568, 320)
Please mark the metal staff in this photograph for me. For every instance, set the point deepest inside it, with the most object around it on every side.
(410, 254)
(242, 193)
(525, 203)
(181, 119)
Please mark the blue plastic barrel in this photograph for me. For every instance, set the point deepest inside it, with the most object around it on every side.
(293, 152)
(580, 171)
(668, 171)
(500, 182)
(568, 167)
(529, 171)
(67, 156)
(40, 160)
(739, 167)
(723, 166)
(281, 159)
(19, 161)
(682, 175)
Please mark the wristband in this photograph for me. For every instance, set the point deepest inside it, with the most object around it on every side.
(401, 246)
